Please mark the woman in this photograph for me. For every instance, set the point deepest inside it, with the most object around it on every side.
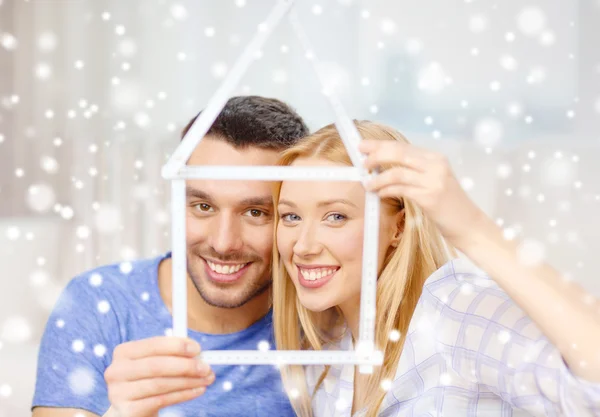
(454, 341)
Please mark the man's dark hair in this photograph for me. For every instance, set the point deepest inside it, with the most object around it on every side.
(266, 123)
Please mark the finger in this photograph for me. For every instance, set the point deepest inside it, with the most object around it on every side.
(397, 176)
(388, 152)
(153, 404)
(156, 367)
(146, 388)
(400, 191)
(157, 346)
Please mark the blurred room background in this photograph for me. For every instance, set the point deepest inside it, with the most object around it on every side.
(94, 94)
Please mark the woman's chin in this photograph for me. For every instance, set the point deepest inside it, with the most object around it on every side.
(313, 305)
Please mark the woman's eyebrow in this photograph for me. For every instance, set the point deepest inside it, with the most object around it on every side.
(337, 200)
(322, 203)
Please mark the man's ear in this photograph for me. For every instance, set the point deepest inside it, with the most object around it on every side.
(399, 228)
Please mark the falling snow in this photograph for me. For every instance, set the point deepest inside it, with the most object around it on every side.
(89, 165)
(81, 381)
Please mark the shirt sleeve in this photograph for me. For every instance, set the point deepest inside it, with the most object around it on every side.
(488, 340)
(76, 348)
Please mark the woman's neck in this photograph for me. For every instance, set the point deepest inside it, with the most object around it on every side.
(351, 311)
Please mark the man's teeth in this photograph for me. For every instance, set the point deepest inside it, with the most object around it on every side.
(225, 269)
(318, 273)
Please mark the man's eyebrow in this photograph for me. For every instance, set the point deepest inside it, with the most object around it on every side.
(267, 200)
(195, 193)
(322, 203)
(257, 201)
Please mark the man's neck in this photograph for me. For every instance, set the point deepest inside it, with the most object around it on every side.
(205, 318)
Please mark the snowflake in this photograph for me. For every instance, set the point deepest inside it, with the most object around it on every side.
(413, 46)
(432, 78)
(107, 219)
(219, 70)
(386, 384)
(125, 267)
(547, 38)
(531, 21)
(40, 197)
(67, 212)
(503, 337)
(5, 390)
(127, 48)
(47, 41)
(82, 232)
(508, 62)
(43, 71)
(488, 132)
(78, 345)
(81, 381)
(504, 171)
(209, 31)
(95, 279)
(531, 252)
(16, 329)
(39, 278)
(388, 26)
(537, 75)
(8, 41)
(467, 183)
(478, 23)
(103, 306)
(99, 350)
(341, 404)
(179, 12)
(445, 379)
(558, 172)
(170, 412)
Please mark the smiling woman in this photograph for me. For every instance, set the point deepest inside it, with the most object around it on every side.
(318, 265)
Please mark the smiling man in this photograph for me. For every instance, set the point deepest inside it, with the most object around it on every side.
(104, 351)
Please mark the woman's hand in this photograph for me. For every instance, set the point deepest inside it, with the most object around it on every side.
(426, 178)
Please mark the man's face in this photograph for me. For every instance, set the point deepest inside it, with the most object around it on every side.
(229, 226)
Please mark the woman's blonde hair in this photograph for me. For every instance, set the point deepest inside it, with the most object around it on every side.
(421, 251)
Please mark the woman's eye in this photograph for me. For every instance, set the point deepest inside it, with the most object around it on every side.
(336, 217)
(290, 217)
(202, 207)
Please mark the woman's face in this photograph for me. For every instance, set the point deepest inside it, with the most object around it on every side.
(320, 237)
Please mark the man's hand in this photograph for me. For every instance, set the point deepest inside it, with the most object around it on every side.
(150, 374)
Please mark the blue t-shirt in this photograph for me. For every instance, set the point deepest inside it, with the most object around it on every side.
(118, 303)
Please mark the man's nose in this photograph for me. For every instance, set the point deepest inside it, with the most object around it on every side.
(226, 236)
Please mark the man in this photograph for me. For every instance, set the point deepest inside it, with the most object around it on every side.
(106, 350)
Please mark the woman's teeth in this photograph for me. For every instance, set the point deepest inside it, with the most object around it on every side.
(316, 273)
(225, 269)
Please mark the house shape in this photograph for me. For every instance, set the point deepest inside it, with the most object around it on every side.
(175, 170)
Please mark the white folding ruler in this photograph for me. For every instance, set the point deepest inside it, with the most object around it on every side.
(365, 355)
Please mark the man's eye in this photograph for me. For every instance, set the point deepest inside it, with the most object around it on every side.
(256, 213)
(202, 207)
